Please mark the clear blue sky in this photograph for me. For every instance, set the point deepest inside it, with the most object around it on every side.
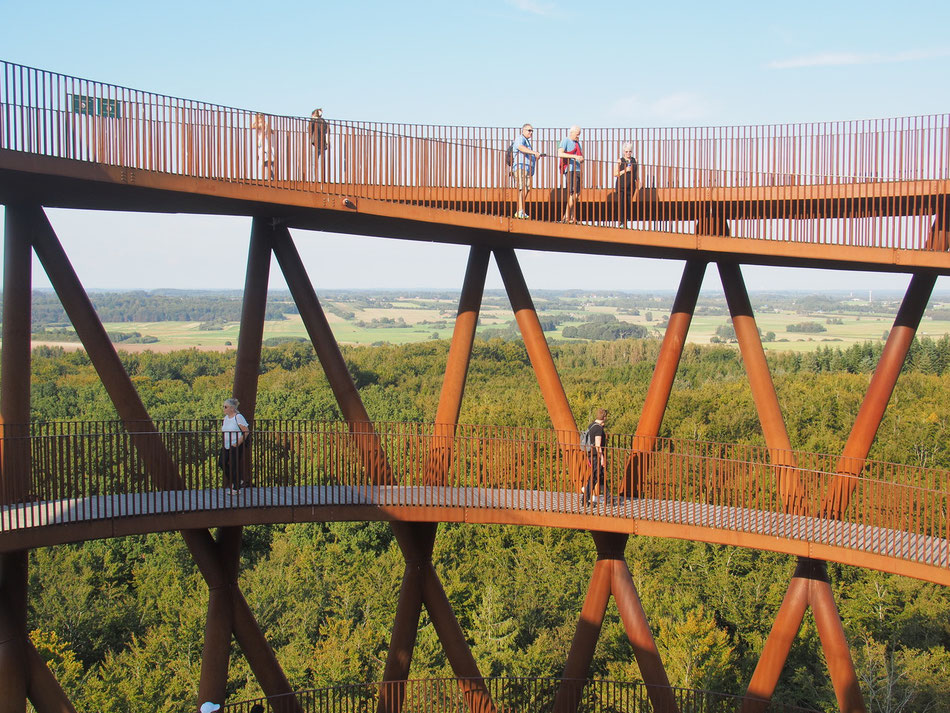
(495, 63)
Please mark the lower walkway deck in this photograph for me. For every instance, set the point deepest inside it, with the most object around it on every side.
(113, 515)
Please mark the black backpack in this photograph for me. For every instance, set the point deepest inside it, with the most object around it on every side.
(510, 155)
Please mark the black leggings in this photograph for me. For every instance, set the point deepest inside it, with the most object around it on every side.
(232, 463)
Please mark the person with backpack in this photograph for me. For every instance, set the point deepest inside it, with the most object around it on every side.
(572, 156)
(524, 160)
(596, 437)
(627, 173)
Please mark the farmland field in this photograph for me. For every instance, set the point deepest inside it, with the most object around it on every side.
(361, 318)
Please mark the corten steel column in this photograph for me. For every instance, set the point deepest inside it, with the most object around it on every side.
(809, 587)
(879, 392)
(419, 539)
(577, 666)
(14, 458)
(562, 418)
(102, 354)
(23, 673)
(763, 390)
(219, 624)
(456, 367)
(413, 540)
(835, 645)
(788, 622)
(15, 467)
(658, 393)
(612, 576)
(158, 463)
(371, 451)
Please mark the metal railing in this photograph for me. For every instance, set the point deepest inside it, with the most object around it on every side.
(524, 695)
(877, 183)
(86, 471)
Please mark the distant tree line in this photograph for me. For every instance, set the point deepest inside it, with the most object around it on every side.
(154, 307)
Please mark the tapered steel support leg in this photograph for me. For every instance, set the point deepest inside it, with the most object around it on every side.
(157, 461)
(559, 410)
(774, 654)
(579, 658)
(161, 468)
(809, 587)
(219, 624)
(834, 643)
(456, 368)
(14, 674)
(367, 442)
(763, 390)
(14, 458)
(868, 420)
(641, 638)
(415, 541)
(658, 393)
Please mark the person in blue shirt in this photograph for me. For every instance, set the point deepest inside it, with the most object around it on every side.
(571, 155)
(523, 165)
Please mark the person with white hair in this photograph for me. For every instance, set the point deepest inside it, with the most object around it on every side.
(235, 430)
(627, 173)
(572, 156)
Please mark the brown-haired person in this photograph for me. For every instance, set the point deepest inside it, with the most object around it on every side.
(319, 131)
(598, 458)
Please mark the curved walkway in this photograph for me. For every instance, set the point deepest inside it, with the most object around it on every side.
(869, 193)
(87, 486)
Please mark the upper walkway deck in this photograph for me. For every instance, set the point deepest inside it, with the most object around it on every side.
(852, 195)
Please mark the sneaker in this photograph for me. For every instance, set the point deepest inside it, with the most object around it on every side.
(521, 215)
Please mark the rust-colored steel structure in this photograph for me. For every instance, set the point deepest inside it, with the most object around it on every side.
(858, 195)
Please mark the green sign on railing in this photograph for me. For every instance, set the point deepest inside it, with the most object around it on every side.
(95, 106)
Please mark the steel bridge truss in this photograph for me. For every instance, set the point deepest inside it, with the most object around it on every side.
(23, 674)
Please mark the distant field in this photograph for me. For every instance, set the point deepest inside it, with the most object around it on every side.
(409, 316)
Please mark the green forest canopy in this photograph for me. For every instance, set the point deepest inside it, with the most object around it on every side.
(121, 621)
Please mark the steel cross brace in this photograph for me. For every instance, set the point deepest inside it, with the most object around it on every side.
(421, 583)
(612, 576)
(156, 459)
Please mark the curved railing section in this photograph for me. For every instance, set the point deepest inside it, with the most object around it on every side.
(445, 695)
(826, 182)
(98, 471)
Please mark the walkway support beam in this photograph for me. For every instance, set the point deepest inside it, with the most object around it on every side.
(331, 358)
(763, 390)
(612, 576)
(664, 374)
(157, 462)
(456, 367)
(219, 624)
(871, 413)
(809, 587)
(555, 399)
(15, 464)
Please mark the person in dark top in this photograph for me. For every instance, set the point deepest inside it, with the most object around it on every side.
(598, 458)
(627, 173)
(319, 131)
